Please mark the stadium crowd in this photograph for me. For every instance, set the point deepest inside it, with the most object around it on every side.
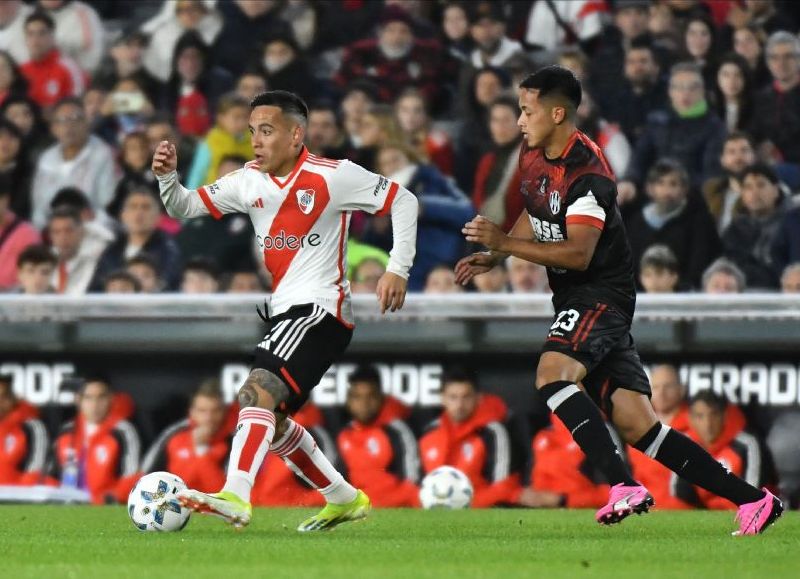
(696, 105)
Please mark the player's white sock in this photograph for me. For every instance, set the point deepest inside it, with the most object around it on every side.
(254, 433)
(302, 455)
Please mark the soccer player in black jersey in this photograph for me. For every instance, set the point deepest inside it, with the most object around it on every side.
(572, 225)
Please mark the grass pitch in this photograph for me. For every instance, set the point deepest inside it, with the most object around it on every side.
(88, 542)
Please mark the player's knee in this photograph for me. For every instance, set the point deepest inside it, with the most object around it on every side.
(264, 389)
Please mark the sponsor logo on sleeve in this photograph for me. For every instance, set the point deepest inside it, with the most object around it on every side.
(212, 189)
(383, 183)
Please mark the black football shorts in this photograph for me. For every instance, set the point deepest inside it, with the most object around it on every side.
(599, 337)
(299, 347)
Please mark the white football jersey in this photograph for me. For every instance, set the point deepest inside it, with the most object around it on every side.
(301, 224)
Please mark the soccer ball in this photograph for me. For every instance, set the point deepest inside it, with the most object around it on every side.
(153, 506)
(445, 488)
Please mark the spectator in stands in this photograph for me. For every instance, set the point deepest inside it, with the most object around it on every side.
(677, 219)
(612, 141)
(790, 279)
(786, 245)
(14, 168)
(12, 29)
(443, 210)
(722, 193)
(556, 24)
(139, 216)
(366, 276)
(776, 115)
(121, 282)
(135, 163)
(51, 75)
(659, 270)
(16, 234)
(229, 137)
(12, 83)
(94, 231)
(194, 85)
(431, 144)
(493, 281)
(700, 46)
(357, 98)
(80, 34)
(748, 239)
(526, 277)
(286, 69)
(145, 270)
(733, 92)
(244, 282)
(200, 276)
(324, 136)
(77, 255)
(561, 475)
(99, 450)
(441, 280)
(395, 60)
(725, 441)
(35, 267)
(748, 42)
(164, 30)
(669, 403)
(278, 483)
(496, 192)
(470, 436)
(488, 32)
(723, 277)
(160, 128)
(78, 159)
(123, 110)
(377, 447)
(379, 127)
(252, 82)
(766, 14)
(27, 117)
(246, 24)
(127, 61)
(25, 445)
(197, 447)
(455, 31)
(689, 132)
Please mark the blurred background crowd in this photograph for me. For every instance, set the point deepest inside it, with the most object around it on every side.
(696, 105)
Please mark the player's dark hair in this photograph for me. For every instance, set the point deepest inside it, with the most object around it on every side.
(70, 197)
(203, 264)
(556, 82)
(666, 166)
(123, 275)
(763, 170)
(43, 17)
(659, 257)
(289, 103)
(458, 374)
(717, 402)
(36, 255)
(365, 373)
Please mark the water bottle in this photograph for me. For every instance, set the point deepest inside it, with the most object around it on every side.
(69, 474)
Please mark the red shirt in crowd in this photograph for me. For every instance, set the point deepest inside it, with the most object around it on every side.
(479, 447)
(53, 78)
(23, 446)
(381, 457)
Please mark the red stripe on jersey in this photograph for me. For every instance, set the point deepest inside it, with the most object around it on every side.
(255, 436)
(557, 339)
(300, 160)
(387, 205)
(340, 301)
(290, 380)
(215, 213)
(590, 325)
(585, 220)
(591, 7)
(290, 221)
(322, 160)
(320, 164)
(303, 461)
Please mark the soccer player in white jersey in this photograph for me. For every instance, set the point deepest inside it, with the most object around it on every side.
(300, 206)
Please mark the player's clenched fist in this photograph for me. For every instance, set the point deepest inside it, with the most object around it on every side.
(481, 230)
(391, 292)
(165, 159)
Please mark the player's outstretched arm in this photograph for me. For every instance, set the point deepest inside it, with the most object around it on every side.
(179, 201)
(573, 253)
(479, 263)
(392, 286)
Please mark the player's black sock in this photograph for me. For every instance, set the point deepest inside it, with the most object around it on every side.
(690, 461)
(583, 419)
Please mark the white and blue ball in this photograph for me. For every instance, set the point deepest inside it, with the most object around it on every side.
(153, 503)
(445, 487)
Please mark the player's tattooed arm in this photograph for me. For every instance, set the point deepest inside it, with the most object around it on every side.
(258, 381)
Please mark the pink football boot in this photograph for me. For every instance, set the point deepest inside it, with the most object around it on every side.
(755, 517)
(623, 501)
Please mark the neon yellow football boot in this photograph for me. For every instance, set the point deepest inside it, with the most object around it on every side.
(334, 515)
(224, 505)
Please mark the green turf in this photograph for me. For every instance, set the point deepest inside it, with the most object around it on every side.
(84, 542)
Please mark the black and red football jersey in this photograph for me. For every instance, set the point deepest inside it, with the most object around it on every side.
(579, 188)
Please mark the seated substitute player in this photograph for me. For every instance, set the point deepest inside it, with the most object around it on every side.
(196, 448)
(470, 436)
(300, 206)
(572, 225)
(99, 450)
(377, 447)
(23, 439)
